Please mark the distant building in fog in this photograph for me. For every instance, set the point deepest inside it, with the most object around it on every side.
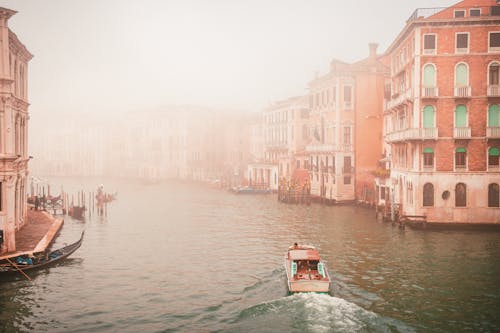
(346, 129)
(441, 118)
(14, 58)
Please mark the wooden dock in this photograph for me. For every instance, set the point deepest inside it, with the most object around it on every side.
(36, 235)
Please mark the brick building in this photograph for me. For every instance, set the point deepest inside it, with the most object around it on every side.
(441, 116)
(14, 58)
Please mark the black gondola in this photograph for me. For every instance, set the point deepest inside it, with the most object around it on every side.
(26, 263)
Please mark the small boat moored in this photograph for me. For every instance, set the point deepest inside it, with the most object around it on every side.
(305, 271)
(23, 263)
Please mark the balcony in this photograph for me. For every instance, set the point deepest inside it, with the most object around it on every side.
(347, 170)
(413, 134)
(493, 132)
(493, 90)
(346, 147)
(321, 148)
(462, 133)
(463, 92)
(399, 99)
(430, 92)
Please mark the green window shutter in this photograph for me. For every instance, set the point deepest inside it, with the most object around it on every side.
(294, 268)
(428, 150)
(461, 150)
(429, 76)
(493, 116)
(461, 116)
(428, 116)
(461, 74)
(494, 151)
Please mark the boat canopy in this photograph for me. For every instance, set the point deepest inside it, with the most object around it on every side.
(304, 255)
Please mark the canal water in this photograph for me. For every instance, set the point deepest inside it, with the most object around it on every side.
(176, 257)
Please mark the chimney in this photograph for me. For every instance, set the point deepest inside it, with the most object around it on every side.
(373, 49)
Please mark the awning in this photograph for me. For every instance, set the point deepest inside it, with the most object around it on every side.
(494, 151)
(428, 150)
(461, 150)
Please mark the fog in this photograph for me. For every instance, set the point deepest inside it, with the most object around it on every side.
(96, 61)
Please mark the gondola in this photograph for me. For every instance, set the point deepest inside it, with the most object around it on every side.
(23, 263)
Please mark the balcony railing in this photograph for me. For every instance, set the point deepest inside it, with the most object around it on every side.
(493, 90)
(493, 132)
(413, 134)
(462, 133)
(429, 92)
(398, 99)
(463, 91)
(347, 170)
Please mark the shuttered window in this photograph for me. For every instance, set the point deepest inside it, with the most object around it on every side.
(461, 75)
(493, 120)
(429, 76)
(461, 116)
(428, 116)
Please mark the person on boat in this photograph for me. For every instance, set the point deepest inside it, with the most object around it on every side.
(37, 202)
(295, 246)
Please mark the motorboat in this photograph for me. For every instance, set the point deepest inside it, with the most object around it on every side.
(305, 271)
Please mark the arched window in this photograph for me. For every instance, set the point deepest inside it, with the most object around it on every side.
(460, 195)
(493, 195)
(460, 158)
(461, 116)
(429, 76)
(428, 195)
(493, 116)
(428, 158)
(494, 73)
(461, 75)
(493, 154)
(428, 116)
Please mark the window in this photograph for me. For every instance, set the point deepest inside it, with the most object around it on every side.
(347, 135)
(347, 164)
(461, 116)
(347, 180)
(298, 164)
(475, 12)
(1, 196)
(493, 154)
(461, 75)
(429, 76)
(493, 112)
(429, 44)
(428, 158)
(460, 158)
(493, 74)
(347, 97)
(493, 195)
(428, 195)
(494, 41)
(459, 13)
(462, 42)
(460, 195)
(428, 116)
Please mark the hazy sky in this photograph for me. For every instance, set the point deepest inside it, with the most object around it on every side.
(111, 55)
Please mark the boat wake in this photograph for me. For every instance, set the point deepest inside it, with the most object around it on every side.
(315, 313)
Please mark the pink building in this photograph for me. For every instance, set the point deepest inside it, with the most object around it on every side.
(14, 58)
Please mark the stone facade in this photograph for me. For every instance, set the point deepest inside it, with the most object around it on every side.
(14, 58)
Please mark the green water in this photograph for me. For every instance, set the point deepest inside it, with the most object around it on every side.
(175, 257)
